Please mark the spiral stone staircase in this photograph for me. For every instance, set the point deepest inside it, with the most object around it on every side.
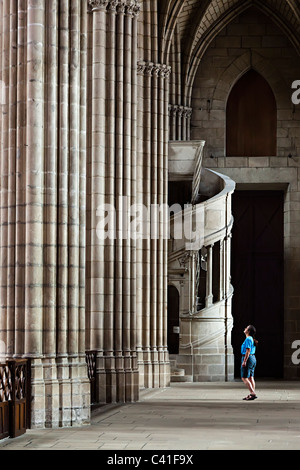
(199, 268)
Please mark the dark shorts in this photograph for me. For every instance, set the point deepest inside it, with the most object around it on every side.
(248, 371)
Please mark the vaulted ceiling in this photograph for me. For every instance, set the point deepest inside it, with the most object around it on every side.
(197, 22)
(195, 19)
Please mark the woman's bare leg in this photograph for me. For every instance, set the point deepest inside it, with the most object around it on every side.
(252, 382)
(249, 385)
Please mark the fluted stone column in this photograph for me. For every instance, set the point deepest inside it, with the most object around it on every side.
(152, 351)
(111, 312)
(180, 122)
(222, 270)
(209, 277)
(42, 202)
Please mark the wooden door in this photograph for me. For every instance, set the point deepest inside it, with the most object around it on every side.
(257, 277)
(251, 118)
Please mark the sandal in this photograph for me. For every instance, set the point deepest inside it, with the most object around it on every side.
(247, 397)
(251, 397)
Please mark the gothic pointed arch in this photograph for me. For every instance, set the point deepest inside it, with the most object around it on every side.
(264, 66)
(251, 117)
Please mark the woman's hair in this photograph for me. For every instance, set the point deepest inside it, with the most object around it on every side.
(252, 332)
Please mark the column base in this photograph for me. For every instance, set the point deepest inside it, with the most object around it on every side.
(154, 369)
(117, 380)
(60, 393)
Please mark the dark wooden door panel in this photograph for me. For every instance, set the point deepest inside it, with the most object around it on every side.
(257, 276)
(4, 420)
(15, 397)
(251, 118)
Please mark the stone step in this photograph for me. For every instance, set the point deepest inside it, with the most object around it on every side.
(181, 378)
(178, 372)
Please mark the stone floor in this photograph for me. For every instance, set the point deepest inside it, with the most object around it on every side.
(194, 416)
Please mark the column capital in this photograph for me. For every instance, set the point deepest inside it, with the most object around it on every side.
(181, 110)
(153, 69)
(128, 7)
(141, 67)
(165, 71)
(121, 6)
(173, 110)
(132, 7)
(113, 5)
(95, 5)
(187, 112)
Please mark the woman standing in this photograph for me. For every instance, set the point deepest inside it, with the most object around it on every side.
(248, 350)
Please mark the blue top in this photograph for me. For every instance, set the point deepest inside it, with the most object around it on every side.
(248, 344)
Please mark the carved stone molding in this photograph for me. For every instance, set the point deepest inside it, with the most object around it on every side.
(183, 111)
(127, 7)
(187, 112)
(113, 5)
(184, 259)
(132, 8)
(153, 70)
(97, 4)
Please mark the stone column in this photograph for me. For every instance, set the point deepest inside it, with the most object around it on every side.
(172, 114)
(42, 193)
(180, 122)
(144, 360)
(227, 257)
(209, 277)
(187, 114)
(97, 252)
(120, 169)
(154, 225)
(140, 188)
(112, 176)
(222, 271)
(165, 365)
(229, 357)
(5, 7)
(153, 358)
(132, 128)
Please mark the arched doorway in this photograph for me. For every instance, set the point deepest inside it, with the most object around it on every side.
(173, 320)
(251, 118)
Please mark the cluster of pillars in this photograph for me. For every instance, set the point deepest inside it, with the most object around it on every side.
(83, 125)
(153, 80)
(111, 322)
(43, 193)
(127, 159)
(216, 281)
(180, 122)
